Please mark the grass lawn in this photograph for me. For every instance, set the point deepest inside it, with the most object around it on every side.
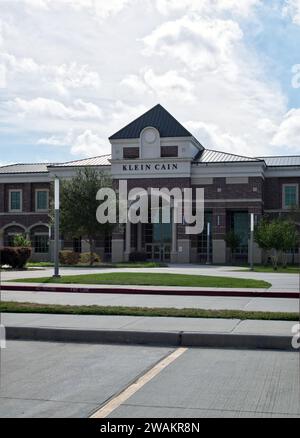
(14, 307)
(102, 265)
(280, 270)
(151, 279)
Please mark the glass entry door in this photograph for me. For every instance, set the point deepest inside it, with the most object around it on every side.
(160, 248)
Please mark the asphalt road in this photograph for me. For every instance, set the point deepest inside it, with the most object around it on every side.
(74, 380)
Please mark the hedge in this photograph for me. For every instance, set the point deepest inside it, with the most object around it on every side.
(16, 257)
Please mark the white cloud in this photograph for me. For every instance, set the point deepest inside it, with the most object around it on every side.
(212, 137)
(99, 8)
(2, 76)
(237, 7)
(169, 84)
(231, 92)
(41, 107)
(84, 144)
(55, 140)
(288, 133)
(62, 78)
(76, 71)
(89, 144)
(198, 42)
(292, 9)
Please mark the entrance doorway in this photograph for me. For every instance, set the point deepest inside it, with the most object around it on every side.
(158, 247)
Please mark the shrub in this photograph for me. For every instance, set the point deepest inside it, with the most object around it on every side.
(138, 256)
(85, 258)
(20, 240)
(16, 257)
(67, 257)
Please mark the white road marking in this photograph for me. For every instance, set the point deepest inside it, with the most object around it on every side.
(114, 403)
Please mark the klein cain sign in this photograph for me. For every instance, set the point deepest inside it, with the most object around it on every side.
(149, 167)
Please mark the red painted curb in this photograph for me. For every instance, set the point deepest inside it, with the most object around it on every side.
(137, 291)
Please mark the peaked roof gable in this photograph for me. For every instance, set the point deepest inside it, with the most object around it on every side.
(159, 118)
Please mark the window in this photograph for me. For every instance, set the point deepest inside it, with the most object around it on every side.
(15, 200)
(77, 244)
(169, 151)
(41, 243)
(41, 200)
(290, 195)
(131, 153)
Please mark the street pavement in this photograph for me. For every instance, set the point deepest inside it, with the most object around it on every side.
(74, 380)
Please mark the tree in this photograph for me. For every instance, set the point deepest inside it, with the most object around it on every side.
(262, 236)
(232, 240)
(278, 236)
(79, 205)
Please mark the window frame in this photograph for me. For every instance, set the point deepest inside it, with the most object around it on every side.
(36, 200)
(15, 210)
(131, 148)
(284, 186)
(170, 147)
(40, 234)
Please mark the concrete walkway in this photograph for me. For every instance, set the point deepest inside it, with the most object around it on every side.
(150, 324)
(200, 332)
(280, 282)
(135, 300)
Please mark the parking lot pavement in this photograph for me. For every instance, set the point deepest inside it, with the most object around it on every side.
(220, 383)
(75, 380)
(67, 380)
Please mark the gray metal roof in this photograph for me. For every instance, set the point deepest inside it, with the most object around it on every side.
(292, 160)
(102, 160)
(210, 156)
(25, 168)
(159, 118)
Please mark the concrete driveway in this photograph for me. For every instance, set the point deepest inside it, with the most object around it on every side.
(75, 380)
(280, 282)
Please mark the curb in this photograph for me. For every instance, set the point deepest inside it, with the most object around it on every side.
(137, 291)
(173, 338)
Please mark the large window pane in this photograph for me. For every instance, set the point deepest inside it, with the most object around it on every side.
(42, 200)
(290, 196)
(15, 200)
(41, 243)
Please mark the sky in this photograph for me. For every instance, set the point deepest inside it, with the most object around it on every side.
(73, 72)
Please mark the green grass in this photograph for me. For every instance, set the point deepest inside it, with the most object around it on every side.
(102, 265)
(14, 307)
(280, 270)
(151, 279)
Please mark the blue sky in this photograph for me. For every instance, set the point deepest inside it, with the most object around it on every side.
(74, 72)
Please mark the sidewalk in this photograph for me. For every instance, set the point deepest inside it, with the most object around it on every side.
(144, 300)
(151, 290)
(200, 332)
